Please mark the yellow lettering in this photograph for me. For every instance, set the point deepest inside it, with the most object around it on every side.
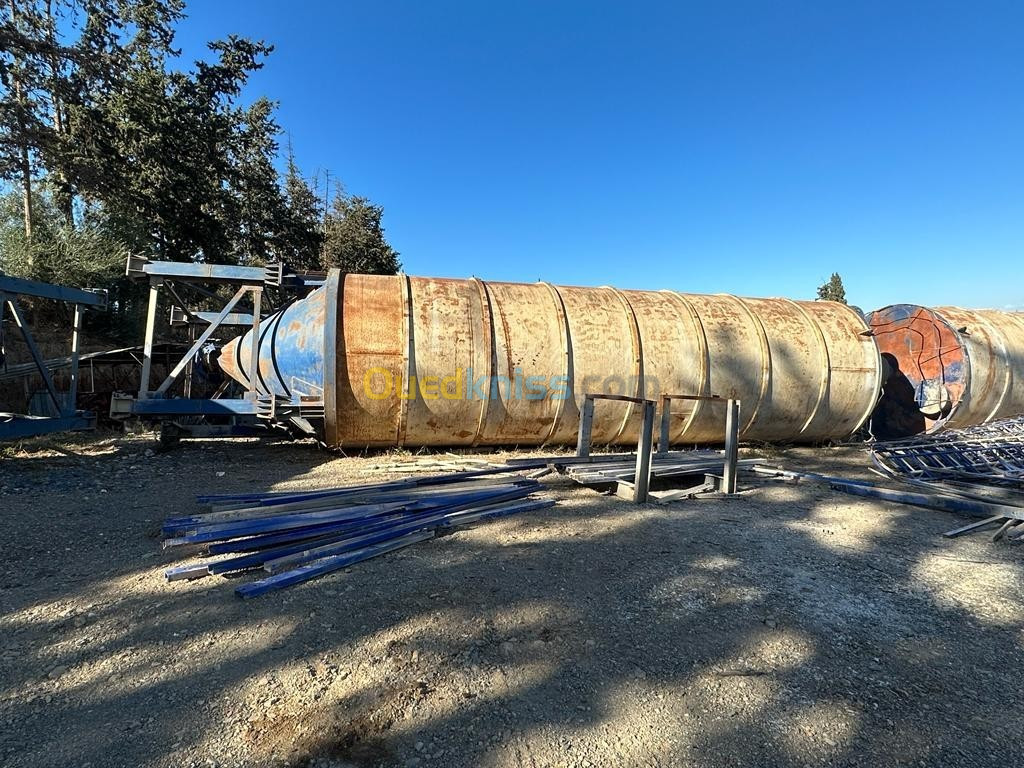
(428, 387)
(368, 378)
(408, 392)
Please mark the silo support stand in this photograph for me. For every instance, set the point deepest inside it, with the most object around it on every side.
(14, 426)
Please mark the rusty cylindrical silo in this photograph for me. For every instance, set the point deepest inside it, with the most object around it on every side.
(947, 367)
(410, 361)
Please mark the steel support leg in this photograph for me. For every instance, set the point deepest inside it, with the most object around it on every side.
(732, 445)
(176, 371)
(76, 338)
(147, 350)
(642, 478)
(30, 342)
(3, 308)
(586, 426)
(666, 418)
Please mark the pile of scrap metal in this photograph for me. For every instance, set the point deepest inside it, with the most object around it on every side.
(291, 537)
(977, 471)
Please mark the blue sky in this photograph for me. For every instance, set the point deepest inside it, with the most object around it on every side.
(742, 147)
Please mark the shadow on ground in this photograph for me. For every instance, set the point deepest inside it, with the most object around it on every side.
(786, 626)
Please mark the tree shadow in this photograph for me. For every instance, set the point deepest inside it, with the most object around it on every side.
(786, 626)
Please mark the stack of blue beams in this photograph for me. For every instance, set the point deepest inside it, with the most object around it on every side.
(297, 536)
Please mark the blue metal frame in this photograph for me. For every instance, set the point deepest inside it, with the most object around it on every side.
(156, 403)
(19, 286)
(18, 426)
(180, 406)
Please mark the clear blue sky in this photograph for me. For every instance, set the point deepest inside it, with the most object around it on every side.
(743, 147)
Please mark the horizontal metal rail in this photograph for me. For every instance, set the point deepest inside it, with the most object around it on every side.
(140, 267)
(23, 287)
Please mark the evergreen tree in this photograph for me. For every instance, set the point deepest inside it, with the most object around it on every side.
(23, 128)
(258, 208)
(301, 235)
(108, 146)
(56, 56)
(354, 238)
(833, 290)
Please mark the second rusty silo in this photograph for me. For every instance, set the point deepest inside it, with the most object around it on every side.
(947, 367)
(805, 371)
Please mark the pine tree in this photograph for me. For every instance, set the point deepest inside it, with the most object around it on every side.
(354, 238)
(833, 290)
(55, 57)
(258, 205)
(103, 135)
(301, 236)
(23, 128)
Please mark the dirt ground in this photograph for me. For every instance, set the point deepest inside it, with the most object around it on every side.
(786, 626)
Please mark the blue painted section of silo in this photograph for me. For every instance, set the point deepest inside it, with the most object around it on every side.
(291, 350)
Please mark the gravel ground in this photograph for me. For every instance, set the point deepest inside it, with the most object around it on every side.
(788, 625)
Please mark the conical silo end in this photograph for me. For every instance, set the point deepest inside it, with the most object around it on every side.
(228, 361)
(290, 352)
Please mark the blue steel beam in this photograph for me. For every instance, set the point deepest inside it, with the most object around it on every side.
(17, 285)
(193, 407)
(376, 534)
(934, 501)
(336, 562)
(221, 531)
(19, 427)
(306, 572)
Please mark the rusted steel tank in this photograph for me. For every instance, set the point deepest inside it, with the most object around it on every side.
(947, 367)
(410, 361)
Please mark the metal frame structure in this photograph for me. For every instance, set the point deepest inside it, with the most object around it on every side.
(987, 457)
(732, 425)
(158, 403)
(636, 491)
(15, 426)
